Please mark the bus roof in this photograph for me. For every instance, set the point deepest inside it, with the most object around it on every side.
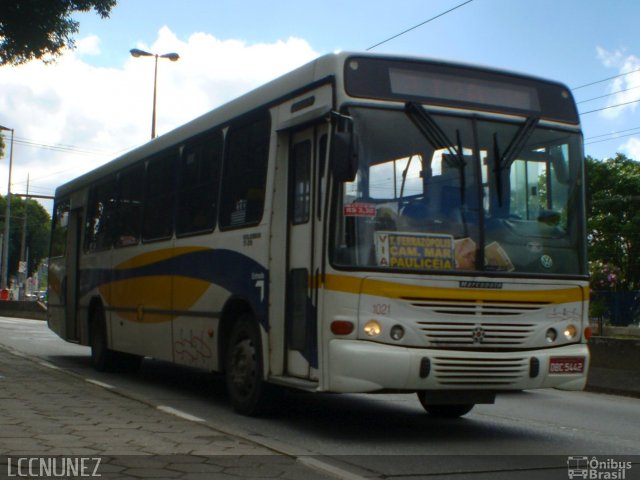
(326, 68)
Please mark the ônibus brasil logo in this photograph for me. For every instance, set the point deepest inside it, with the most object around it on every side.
(594, 468)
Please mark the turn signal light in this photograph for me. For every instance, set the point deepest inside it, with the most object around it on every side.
(588, 333)
(341, 327)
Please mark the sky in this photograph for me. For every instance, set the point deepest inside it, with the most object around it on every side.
(95, 102)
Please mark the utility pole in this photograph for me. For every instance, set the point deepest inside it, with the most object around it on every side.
(4, 283)
(23, 269)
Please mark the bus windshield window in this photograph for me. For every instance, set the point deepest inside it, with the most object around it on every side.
(451, 193)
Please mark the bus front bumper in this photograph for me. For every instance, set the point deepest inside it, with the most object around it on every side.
(357, 366)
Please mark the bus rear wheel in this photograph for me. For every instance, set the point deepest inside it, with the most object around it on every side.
(453, 410)
(248, 392)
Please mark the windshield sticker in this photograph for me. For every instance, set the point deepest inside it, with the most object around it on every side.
(415, 251)
(465, 254)
(360, 210)
(496, 258)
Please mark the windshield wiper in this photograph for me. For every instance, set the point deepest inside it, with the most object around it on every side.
(438, 139)
(500, 162)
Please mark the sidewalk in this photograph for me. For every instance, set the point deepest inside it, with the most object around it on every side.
(45, 412)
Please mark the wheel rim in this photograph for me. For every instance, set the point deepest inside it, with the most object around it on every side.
(244, 366)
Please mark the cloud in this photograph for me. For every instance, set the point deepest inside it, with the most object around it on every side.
(625, 88)
(609, 59)
(88, 46)
(631, 148)
(80, 115)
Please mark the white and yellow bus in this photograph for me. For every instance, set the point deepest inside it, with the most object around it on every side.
(365, 223)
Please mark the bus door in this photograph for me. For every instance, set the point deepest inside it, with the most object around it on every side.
(72, 330)
(303, 247)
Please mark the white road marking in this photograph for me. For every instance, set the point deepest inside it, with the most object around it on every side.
(49, 365)
(179, 413)
(100, 384)
(337, 472)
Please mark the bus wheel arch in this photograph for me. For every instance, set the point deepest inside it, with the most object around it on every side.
(103, 358)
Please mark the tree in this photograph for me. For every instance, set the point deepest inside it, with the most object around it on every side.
(37, 235)
(41, 29)
(614, 220)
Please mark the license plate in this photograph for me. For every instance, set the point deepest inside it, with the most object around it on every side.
(566, 365)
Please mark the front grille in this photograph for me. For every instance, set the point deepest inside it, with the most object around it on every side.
(484, 372)
(477, 322)
(476, 334)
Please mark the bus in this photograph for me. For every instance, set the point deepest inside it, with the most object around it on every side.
(364, 223)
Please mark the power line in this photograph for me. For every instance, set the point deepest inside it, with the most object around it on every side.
(612, 138)
(418, 25)
(607, 95)
(612, 133)
(605, 79)
(58, 147)
(610, 106)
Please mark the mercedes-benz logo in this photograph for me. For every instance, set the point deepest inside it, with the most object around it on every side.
(477, 335)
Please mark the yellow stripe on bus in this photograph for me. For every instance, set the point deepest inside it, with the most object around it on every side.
(162, 294)
(357, 285)
(157, 256)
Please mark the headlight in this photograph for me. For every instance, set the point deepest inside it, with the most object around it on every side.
(551, 335)
(570, 332)
(372, 328)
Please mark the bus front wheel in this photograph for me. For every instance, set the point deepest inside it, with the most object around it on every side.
(102, 357)
(248, 392)
(453, 410)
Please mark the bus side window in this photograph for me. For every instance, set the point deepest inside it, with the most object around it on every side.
(301, 182)
(198, 185)
(322, 157)
(60, 227)
(129, 207)
(100, 216)
(244, 173)
(157, 223)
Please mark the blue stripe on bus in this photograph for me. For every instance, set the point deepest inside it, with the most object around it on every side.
(231, 270)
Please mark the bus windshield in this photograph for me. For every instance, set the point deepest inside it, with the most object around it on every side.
(436, 192)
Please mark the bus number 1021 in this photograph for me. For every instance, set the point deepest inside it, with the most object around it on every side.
(382, 309)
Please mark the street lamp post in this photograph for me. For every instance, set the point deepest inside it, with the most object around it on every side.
(7, 219)
(171, 56)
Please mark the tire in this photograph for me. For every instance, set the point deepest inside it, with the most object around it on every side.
(126, 362)
(104, 359)
(244, 373)
(453, 410)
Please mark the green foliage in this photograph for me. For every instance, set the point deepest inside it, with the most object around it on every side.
(38, 232)
(41, 29)
(604, 277)
(614, 219)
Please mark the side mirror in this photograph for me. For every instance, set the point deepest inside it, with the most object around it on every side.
(344, 158)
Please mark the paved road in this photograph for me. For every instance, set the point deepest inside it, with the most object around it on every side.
(58, 424)
(525, 435)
